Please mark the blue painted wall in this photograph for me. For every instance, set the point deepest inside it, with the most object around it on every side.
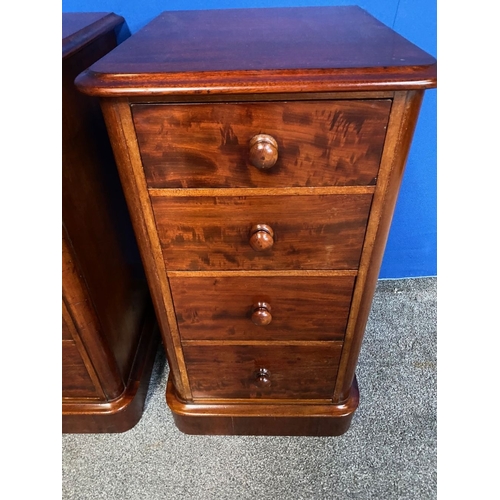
(411, 248)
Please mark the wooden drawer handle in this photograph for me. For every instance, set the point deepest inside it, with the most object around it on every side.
(263, 151)
(261, 237)
(263, 377)
(261, 315)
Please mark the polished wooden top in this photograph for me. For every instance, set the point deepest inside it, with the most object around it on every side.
(261, 50)
(81, 28)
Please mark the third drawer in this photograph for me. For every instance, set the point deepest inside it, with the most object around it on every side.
(263, 307)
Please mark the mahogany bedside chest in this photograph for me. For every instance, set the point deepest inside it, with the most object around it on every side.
(261, 153)
(109, 331)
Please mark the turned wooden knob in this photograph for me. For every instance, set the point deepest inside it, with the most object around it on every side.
(261, 315)
(261, 237)
(263, 151)
(263, 377)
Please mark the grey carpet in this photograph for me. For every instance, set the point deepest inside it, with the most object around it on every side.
(388, 453)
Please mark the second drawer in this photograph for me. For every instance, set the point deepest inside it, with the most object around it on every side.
(261, 232)
(262, 307)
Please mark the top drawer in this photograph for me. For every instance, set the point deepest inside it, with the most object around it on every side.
(317, 143)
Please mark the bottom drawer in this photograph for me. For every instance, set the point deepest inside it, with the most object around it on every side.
(305, 371)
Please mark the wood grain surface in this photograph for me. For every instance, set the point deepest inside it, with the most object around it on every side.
(310, 232)
(76, 381)
(296, 371)
(303, 308)
(315, 49)
(320, 143)
(263, 418)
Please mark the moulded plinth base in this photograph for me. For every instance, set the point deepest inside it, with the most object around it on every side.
(123, 413)
(266, 419)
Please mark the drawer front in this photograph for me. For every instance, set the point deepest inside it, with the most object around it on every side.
(309, 232)
(76, 381)
(319, 143)
(262, 307)
(251, 371)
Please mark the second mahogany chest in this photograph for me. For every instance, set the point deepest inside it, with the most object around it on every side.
(109, 332)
